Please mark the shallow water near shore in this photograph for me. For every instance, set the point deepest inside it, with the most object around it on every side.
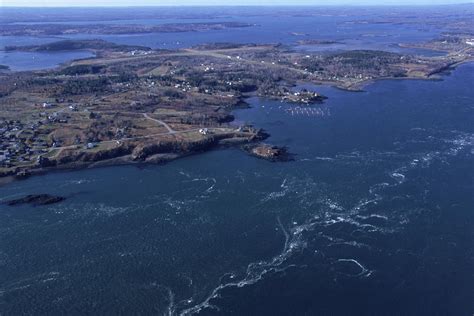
(375, 212)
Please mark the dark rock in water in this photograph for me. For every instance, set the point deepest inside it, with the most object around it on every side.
(36, 200)
(269, 152)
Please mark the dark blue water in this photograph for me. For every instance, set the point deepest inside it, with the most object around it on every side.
(374, 217)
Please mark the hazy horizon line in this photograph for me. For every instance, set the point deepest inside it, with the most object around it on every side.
(241, 5)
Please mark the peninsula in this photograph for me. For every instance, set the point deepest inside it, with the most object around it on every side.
(134, 104)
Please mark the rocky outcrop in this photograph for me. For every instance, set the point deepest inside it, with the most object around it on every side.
(269, 152)
(44, 162)
(144, 150)
(161, 158)
(75, 156)
(36, 200)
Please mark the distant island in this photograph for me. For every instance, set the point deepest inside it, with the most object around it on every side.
(318, 42)
(62, 29)
(68, 45)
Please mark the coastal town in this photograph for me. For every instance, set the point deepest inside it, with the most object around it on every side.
(134, 104)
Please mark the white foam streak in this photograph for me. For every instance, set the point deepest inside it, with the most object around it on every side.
(256, 270)
(363, 270)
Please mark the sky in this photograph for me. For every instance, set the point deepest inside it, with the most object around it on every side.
(83, 3)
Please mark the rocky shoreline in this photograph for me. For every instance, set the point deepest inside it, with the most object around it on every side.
(151, 153)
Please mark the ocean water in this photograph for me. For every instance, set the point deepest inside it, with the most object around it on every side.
(374, 217)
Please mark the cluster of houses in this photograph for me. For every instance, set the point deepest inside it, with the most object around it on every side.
(14, 149)
(305, 97)
(185, 87)
(20, 143)
(140, 52)
(54, 117)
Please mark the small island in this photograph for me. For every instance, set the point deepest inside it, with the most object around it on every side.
(269, 152)
(318, 42)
